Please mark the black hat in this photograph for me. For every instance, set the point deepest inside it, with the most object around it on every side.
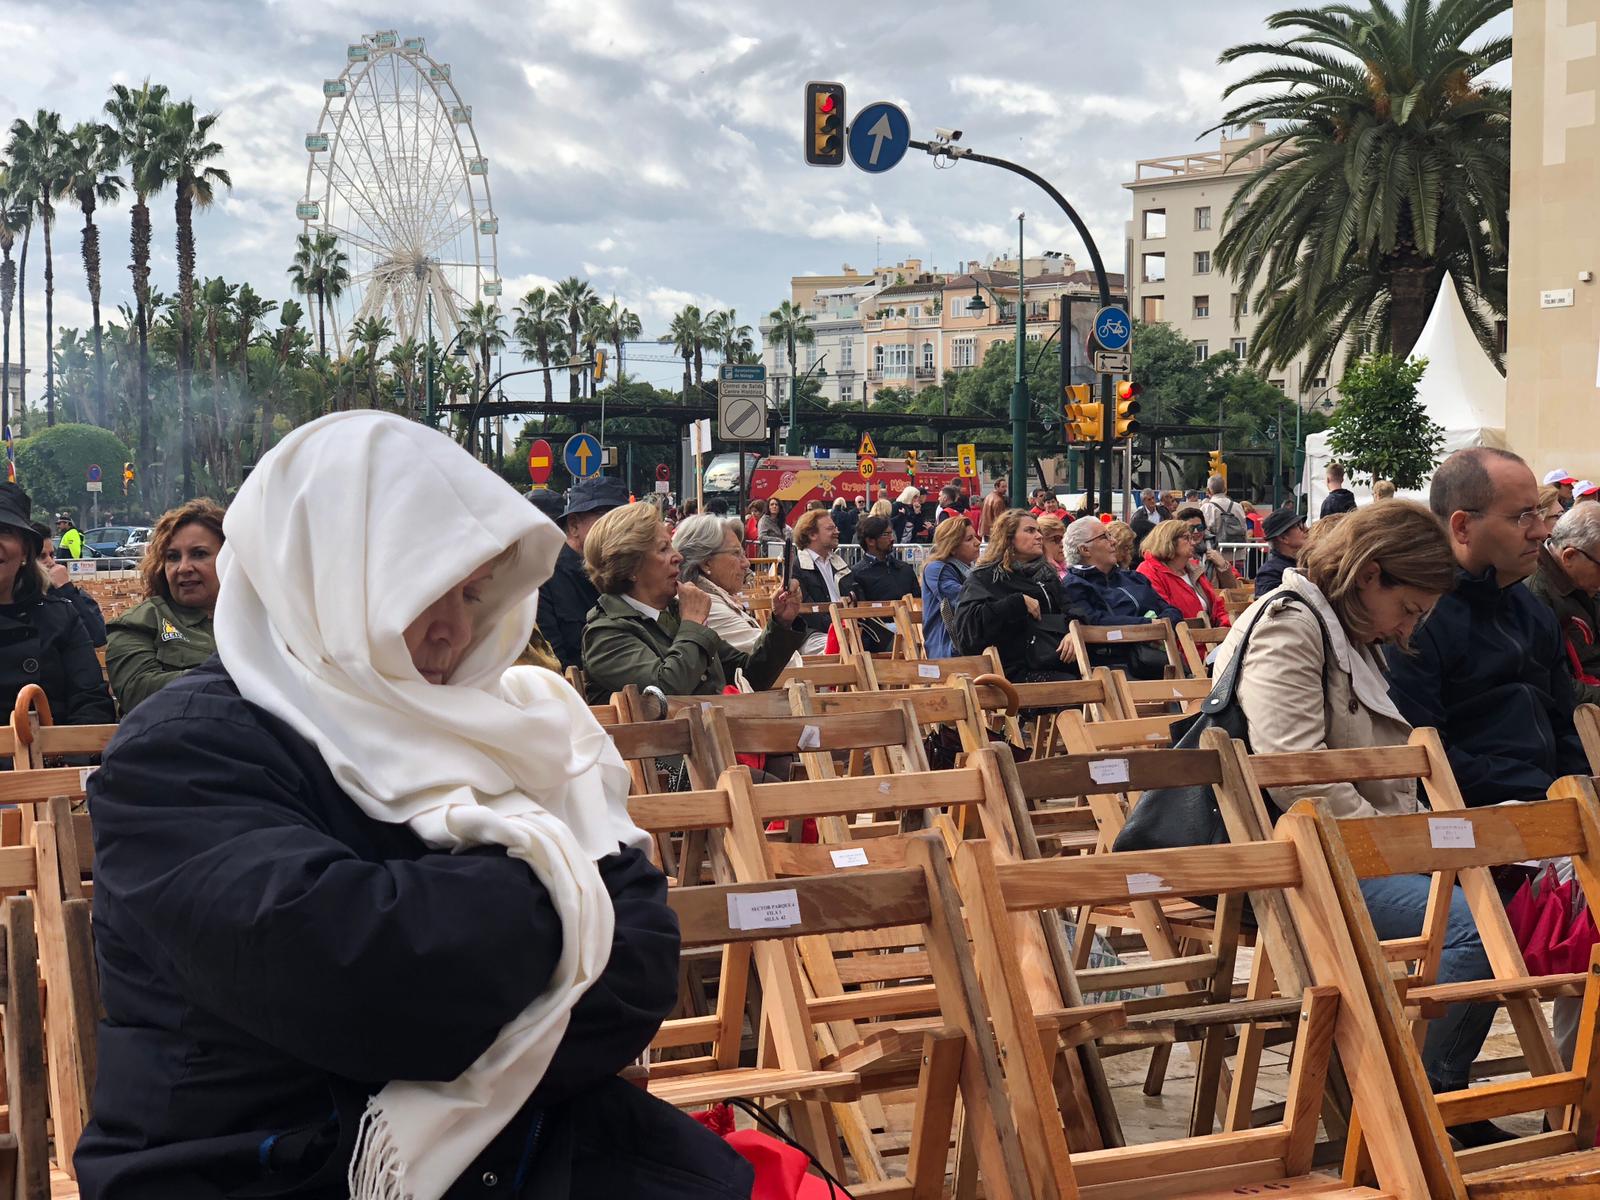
(16, 512)
(546, 502)
(1279, 522)
(598, 493)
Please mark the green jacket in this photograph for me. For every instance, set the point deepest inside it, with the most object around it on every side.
(1579, 617)
(152, 644)
(682, 658)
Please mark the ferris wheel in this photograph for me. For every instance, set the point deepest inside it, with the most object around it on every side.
(397, 175)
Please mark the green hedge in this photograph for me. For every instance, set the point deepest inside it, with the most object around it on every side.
(53, 465)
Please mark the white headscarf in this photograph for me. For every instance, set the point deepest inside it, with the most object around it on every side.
(344, 534)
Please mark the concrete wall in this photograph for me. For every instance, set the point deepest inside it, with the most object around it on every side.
(1553, 355)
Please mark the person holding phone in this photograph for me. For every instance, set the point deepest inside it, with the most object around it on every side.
(714, 561)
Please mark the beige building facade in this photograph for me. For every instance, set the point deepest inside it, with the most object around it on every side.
(1553, 308)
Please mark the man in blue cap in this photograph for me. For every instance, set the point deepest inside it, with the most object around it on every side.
(567, 596)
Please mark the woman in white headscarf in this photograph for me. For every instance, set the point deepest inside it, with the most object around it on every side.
(371, 917)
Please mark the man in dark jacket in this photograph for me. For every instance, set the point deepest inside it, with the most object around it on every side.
(1285, 533)
(1339, 499)
(1488, 669)
(1150, 513)
(567, 596)
(1567, 580)
(269, 955)
(879, 575)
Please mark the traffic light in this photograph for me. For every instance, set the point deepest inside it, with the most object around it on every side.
(1216, 466)
(599, 365)
(911, 463)
(824, 128)
(127, 477)
(1085, 419)
(1127, 408)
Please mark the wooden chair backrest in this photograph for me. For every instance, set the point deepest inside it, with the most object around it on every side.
(885, 673)
(1335, 1011)
(888, 737)
(1151, 633)
(847, 617)
(51, 742)
(1152, 697)
(1587, 719)
(771, 703)
(847, 675)
(1197, 643)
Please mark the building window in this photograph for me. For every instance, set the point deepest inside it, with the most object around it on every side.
(1240, 346)
(899, 362)
(1155, 267)
(1202, 351)
(963, 352)
(1320, 382)
(1202, 218)
(1202, 307)
(1151, 308)
(1277, 383)
(1033, 335)
(1155, 223)
(927, 356)
(847, 355)
(915, 310)
(1239, 304)
(1202, 262)
(877, 359)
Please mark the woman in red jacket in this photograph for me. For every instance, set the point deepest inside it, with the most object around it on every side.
(1168, 565)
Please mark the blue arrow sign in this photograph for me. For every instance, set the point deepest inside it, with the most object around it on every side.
(879, 137)
(582, 455)
(1112, 329)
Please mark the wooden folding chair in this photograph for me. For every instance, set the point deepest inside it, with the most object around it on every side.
(1152, 633)
(847, 618)
(1153, 697)
(1587, 719)
(1197, 643)
(888, 738)
(1333, 1010)
(1560, 1162)
(680, 853)
(1099, 698)
(883, 674)
(846, 675)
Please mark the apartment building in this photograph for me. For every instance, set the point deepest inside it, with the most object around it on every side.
(1179, 203)
(836, 357)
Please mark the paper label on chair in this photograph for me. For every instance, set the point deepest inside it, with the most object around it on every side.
(883, 788)
(810, 737)
(763, 910)
(83, 777)
(1114, 635)
(1451, 833)
(1109, 770)
(927, 671)
(1141, 883)
(850, 856)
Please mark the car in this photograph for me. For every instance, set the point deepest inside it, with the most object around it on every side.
(106, 540)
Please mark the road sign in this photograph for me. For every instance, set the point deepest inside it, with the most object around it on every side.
(94, 485)
(967, 456)
(866, 449)
(582, 455)
(879, 137)
(1109, 362)
(541, 459)
(663, 472)
(608, 456)
(1112, 329)
(741, 403)
(866, 467)
(94, 474)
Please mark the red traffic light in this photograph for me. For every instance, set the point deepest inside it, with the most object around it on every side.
(1127, 391)
(823, 135)
(825, 102)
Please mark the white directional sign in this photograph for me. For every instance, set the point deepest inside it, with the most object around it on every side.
(1107, 362)
(741, 403)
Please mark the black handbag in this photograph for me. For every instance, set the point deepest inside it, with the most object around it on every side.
(1169, 818)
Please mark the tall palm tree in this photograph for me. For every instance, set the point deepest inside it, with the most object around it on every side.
(92, 159)
(371, 332)
(1387, 164)
(185, 147)
(403, 357)
(321, 269)
(790, 327)
(38, 163)
(284, 342)
(13, 219)
(574, 296)
(250, 309)
(685, 334)
(135, 115)
(538, 331)
(625, 327)
(732, 341)
(485, 334)
(596, 329)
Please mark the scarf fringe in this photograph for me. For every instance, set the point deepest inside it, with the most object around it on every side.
(377, 1171)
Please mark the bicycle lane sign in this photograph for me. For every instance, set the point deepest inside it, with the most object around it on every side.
(1112, 329)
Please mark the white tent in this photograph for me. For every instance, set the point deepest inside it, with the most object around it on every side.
(1462, 390)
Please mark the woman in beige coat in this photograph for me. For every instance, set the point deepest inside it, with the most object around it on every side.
(1372, 575)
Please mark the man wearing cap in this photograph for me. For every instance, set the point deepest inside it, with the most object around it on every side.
(1285, 532)
(1562, 480)
(567, 596)
(69, 542)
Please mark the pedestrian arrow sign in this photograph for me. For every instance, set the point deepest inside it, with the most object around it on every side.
(866, 449)
(582, 455)
(879, 137)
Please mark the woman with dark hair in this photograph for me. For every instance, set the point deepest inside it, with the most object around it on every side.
(1013, 602)
(772, 527)
(60, 580)
(154, 643)
(42, 639)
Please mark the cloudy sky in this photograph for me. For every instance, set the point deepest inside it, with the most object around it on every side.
(653, 146)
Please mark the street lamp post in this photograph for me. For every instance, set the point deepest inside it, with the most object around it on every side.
(1298, 466)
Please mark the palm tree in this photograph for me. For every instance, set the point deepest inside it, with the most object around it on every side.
(685, 335)
(596, 329)
(188, 153)
(135, 116)
(250, 309)
(538, 329)
(370, 332)
(403, 358)
(732, 341)
(284, 343)
(619, 327)
(92, 158)
(320, 269)
(485, 334)
(790, 327)
(38, 164)
(13, 219)
(1388, 164)
(575, 297)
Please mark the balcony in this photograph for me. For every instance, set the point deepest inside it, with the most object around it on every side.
(925, 374)
(926, 321)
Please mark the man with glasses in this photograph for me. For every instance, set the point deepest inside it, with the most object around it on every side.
(1488, 670)
(1568, 580)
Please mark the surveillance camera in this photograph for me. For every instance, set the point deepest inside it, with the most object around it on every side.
(947, 135)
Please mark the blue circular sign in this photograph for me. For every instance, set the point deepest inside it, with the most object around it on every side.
(94, 474)
(582, 455)
(1112, 329)
(879, 137)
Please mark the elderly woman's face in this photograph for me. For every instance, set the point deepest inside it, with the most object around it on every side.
(656, 581)
(728, 567)
(438, 639)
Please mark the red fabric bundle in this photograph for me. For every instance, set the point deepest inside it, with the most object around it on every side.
(780, 1168)
(1553, 940)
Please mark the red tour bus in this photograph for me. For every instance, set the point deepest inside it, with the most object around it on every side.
(797, 481)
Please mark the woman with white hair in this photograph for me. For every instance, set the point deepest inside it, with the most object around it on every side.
(371, 918)
(907, 516)
(714, 561)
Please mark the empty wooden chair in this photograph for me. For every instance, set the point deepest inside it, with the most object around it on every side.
(1152, 633)
(1196, 644)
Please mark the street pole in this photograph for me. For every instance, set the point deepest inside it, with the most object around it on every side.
(1277, 462)
(428, 400)
(1019, 390)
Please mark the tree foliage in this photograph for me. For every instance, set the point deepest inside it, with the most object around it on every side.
(54, 464)
(1380, 429)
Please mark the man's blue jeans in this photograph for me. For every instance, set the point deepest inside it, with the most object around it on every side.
(1397, 904)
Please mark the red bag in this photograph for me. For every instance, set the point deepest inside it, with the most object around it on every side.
(832, 644)
(1553, 941)
(780, 1168)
